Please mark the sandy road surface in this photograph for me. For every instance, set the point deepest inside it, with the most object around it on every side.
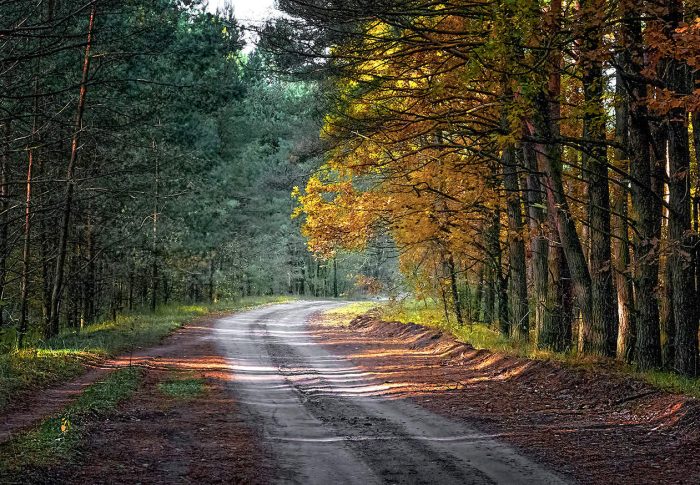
(327, 421)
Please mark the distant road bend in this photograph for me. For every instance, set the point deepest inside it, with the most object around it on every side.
(326, 420)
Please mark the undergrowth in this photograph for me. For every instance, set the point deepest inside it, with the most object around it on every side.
(47, 362)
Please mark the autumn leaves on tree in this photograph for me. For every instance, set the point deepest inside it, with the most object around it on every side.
(535, 162)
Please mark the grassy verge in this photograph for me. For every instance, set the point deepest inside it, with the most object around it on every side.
(56, 439)
(342, 316)
(61, 358)
(481, 336)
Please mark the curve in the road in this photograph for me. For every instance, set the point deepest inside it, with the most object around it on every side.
(328, 421)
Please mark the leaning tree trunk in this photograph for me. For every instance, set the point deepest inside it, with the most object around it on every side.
(70, 187)
(547, 130)
(546, 314)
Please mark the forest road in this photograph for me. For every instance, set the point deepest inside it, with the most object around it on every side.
(327, 421)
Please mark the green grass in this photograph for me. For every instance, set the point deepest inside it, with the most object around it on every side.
(56, 439)
(342, 316)
(481, 336)
(671, 382)
(187, 388)
(432, 315)
(61, 358)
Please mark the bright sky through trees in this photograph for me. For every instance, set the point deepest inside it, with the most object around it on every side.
(246, 10)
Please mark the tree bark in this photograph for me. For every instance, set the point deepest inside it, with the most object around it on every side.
(4, 207)
(621, 251)
(546, 328)
(680, 262)
(558, 206)
(599, 333)
(456, 301)
(519, 314)
(643, 211)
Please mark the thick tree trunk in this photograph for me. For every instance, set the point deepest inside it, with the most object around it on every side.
(681, 265)
(558, 206)
(643, 210)
(599, 334)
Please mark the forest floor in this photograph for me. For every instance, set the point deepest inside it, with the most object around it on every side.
(593, 425)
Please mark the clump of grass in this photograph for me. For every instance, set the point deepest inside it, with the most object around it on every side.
(187, 388)
(56, 439)
(64, 357)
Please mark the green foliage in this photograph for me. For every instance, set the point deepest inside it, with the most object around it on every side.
(56, 439)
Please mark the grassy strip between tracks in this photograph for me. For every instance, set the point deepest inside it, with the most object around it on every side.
(56, 439)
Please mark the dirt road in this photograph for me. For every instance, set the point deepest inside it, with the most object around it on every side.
(327, 421)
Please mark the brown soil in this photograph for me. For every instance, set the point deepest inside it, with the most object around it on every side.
(593, 425)
(156, 438)
(34, 405)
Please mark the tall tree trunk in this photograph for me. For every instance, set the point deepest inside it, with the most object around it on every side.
(212, 295)
(455, 290)
(492, 273)
(598, 334)
(24, 283)
(89, 282)
(696, 200)
(478, 292)
(681, 264)
(546, 326)
(4, 208)
(70, 186)
(519, 314)
(643, 211)
(621, 251)
(335, 277)
(558, 206)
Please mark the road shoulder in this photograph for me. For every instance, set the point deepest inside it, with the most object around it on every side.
(592, 429)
